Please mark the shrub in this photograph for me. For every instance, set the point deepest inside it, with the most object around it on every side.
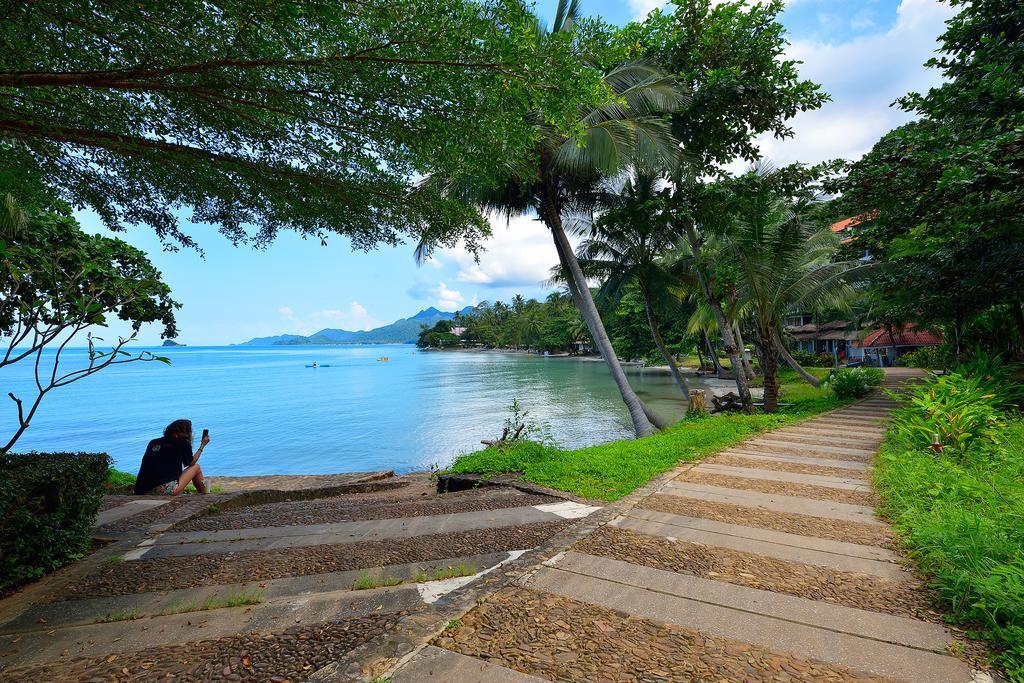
(48, 503)
(813, 360)
(955, 411)
(854, 382)
(927, 358)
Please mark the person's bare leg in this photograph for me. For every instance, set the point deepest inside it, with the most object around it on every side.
(188, 475)
(198, 481)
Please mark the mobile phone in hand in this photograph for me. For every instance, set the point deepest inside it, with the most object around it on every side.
(206, 433)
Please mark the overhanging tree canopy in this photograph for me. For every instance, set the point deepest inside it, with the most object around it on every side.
(311, 116)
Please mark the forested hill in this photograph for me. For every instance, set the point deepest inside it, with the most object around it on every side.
(403, 331)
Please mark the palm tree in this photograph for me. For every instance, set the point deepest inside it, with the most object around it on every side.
(629, 130)
(786, 264)
(626, 246)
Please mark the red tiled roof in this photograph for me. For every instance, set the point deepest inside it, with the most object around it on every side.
(908, 336)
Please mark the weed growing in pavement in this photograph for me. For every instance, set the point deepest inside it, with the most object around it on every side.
(230, 600)
(453, 624)
(115, 560)
(366, 582)
(462, 569)
(120, 615)
(420, 577)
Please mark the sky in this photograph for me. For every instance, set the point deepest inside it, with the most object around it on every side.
(864, 53)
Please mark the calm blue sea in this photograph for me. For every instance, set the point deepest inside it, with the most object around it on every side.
(270, 414)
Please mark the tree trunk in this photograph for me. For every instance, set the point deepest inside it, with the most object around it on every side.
(791, 362)
(713, 355)
(1018, 319)
(638, 412)
(724, 329)
(748, 369)
(660, 343)
(771, 376)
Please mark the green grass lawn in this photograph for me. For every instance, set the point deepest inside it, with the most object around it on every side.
(963, 521)
(611, 471)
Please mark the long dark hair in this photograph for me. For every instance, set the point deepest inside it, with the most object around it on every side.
(179, 429)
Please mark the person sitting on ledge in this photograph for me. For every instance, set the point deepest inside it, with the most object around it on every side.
(169, 464)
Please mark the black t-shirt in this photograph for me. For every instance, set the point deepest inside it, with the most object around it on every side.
(164, 461)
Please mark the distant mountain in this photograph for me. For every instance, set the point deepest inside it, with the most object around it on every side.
(403, 331)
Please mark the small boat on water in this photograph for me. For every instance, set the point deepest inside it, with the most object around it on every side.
(383, 359)
(317, 364)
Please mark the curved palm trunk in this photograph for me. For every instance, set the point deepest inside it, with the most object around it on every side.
(771, 376)
(724, 329)
(748, 369)
(713, 353)
(638, 412)
(660, 343)
(791, 362)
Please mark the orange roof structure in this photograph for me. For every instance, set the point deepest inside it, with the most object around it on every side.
(907, 336)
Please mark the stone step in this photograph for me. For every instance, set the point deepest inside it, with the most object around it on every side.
(94, 640)
(47, 616)
(866, 435)
(839, 423)
(436, 664)
(844, 483)
(870, 443)
(270, 538)
(807, 450)
(853, 465)
(130, 508)
(880, 644)
(772, 501)
(781, 442)
(796, 550)
(855, 550)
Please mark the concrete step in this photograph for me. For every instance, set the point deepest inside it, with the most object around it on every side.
(47, 616)
(436, 664)
(843, 483)
(270, 538)
(779, 441)
(771, 501)
(852, 465)
(802, 549)
(883, 645)
(870, 443)
(855, 550)
(871, 435)
(136, 634)
(807, 450)
(839, 423)
(130, 508)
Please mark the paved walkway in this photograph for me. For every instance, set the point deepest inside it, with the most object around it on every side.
(766, 562)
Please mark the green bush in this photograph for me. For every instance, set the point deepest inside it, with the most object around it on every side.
(955, 411)
(813, 360)
(48, 503)
(960, 517)
(928, 358)
(849, 383)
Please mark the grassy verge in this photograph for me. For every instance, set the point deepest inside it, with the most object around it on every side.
(612, 470)
(963, 521)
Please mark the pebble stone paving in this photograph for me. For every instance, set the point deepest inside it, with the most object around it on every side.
(907, 599)
(789, 522)
(782, 466)
(288, 655)
(169, 573)
(566, 640)
(784, 488)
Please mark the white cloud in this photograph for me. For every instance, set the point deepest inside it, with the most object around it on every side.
(440, 295)
(864, 75)
(356, 317)
(520, 253)
(641, 8)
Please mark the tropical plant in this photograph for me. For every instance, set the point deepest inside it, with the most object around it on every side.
(854, 382)
(556, 178)
(953, 412)
(56, 283)
(625, 247)
(785, 260)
